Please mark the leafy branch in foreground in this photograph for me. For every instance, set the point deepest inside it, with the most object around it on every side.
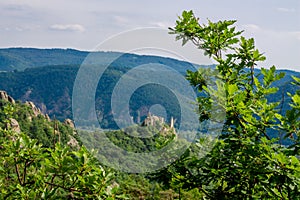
(247, 161)
(30, 171)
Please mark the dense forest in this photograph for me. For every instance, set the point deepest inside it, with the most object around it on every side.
(256, 156)
(50, 86)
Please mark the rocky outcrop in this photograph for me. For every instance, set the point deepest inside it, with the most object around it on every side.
(4, 96)
(14, 125)
(73, 142)
(47, 118)
(28, 112)
(70, 123)
(11, 100)
(36, 111)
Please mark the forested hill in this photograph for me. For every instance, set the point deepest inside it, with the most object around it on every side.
(22, 58)
(18, 59)
(46, 77)
(27, 118)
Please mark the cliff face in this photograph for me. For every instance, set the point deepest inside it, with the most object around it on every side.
(14, 125)
(28, 118)
(4, 96)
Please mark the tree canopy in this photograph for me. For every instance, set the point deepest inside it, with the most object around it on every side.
(255, 156)
(247, 161)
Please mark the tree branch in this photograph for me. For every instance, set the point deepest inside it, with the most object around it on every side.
(17, 171)
(65, 188)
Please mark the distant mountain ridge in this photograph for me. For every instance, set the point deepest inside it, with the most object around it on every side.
(22, 58)
(46, 77)
(19, 59)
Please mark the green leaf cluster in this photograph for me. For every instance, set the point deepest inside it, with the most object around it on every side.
(31, 170)
(247, 161)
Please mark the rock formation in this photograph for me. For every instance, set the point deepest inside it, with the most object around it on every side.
(70, 123)
(36, 111)
(73, 142)
(47, 118)
(14, 125)
(4, 96)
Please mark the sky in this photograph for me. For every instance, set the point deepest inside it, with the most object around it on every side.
(84, 24)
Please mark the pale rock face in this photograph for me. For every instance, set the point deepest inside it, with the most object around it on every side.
(14, 124)
(47, 118)
(36, 110)
(70, 123)
(3, 95)
(73, 142)
(6, 97)
(11, 100)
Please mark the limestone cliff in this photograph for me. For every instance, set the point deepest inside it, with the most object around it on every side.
(28, 118)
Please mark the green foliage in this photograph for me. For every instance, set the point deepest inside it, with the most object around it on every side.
(50, 74)
(246, 162)
(30, 171)
(138, 187)
(140, 144)
(36, 127)
(211, 38)
(18, 59)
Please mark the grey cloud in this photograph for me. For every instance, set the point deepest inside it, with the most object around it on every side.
(68, 27)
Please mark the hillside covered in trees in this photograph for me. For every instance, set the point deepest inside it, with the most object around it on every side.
(49, 75)
(44, 158)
